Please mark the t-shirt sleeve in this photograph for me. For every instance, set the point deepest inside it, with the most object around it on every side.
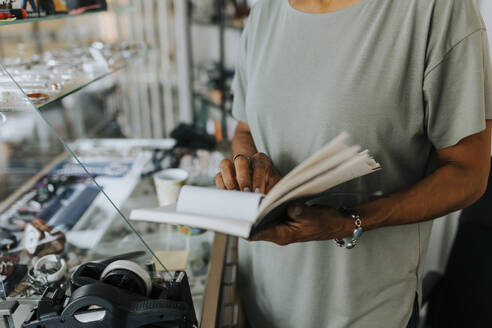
(239, 83)
(458, 92)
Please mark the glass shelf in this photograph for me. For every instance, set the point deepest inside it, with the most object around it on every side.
(116, 10)
(83, 80)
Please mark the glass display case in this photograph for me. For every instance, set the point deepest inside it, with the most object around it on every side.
(78, 152)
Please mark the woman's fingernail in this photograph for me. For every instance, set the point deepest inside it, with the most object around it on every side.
(246, 189)
(257, 190)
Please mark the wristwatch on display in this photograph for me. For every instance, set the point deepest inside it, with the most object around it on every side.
(47, 271)
(11, 272)
(41, 239)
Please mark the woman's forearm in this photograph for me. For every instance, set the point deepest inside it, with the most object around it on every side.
(458, 183)
(445, 191)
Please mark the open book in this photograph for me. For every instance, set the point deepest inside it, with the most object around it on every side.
(244, 213)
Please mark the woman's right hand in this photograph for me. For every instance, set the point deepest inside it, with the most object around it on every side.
(248, 174)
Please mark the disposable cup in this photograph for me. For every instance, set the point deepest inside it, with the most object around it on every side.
(168, 183)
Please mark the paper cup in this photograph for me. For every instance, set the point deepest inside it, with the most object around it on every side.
(168, 183)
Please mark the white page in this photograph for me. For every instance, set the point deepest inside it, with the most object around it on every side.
(305, 176)
(230, 204)
(168, 214)
(357, 166)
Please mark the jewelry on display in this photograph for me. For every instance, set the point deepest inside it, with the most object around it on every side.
(56, 86)
(41, 239)
(11, 273)
(7, 266)
(357, 231)
(48, 269)
(38, 97)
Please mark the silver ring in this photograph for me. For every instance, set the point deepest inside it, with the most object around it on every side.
(238, 155)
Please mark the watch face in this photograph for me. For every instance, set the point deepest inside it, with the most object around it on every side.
(31, 238)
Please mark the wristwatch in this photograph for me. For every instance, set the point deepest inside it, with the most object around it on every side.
(40, 239)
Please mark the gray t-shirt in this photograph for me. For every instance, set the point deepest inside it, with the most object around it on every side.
(403, 77)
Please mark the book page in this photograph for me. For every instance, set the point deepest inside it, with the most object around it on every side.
(304, 176)
(168, 214)
(358, 166)
(212, 202)
(235, 212)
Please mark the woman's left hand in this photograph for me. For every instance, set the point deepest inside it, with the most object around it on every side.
(308, 223)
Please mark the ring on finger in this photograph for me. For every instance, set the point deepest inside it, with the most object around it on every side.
(240, 155)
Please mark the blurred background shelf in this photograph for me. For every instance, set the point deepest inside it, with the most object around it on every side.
(208, 101)
(228, 24)
(33, 19)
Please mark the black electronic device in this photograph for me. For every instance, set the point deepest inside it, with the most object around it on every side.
(190, 136)
(104, 295)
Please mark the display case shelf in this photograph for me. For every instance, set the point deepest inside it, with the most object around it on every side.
(83, 81)
(116, 10)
